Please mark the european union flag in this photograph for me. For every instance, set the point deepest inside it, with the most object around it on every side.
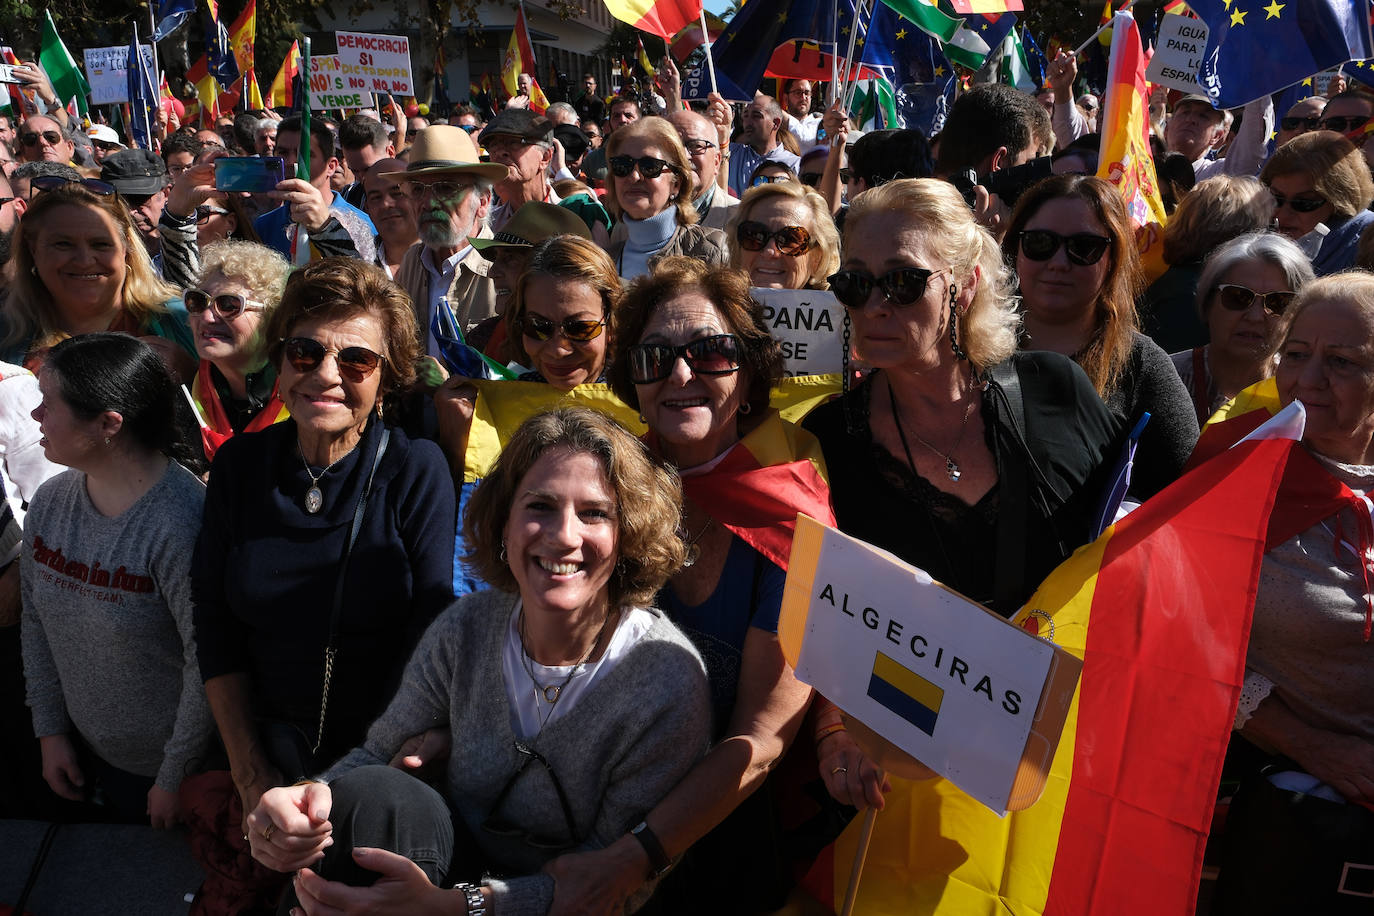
(1255, 49)
(1035, 58)
(219, 53)
(143, 96)
(906, 693)
(170, 14)
(746, 46)
(991, 27)
(1361, 71)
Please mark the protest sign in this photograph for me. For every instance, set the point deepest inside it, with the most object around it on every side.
(1178, 53)
(376, 63)
(806, 322)
(942, 678)
(329, 87)
(107, 70)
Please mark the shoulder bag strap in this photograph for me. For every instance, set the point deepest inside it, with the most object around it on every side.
(1014, 494)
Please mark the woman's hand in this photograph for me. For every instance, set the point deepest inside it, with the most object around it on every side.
(60, 768)
(425, 754)
(289, 828)
(597, 883)
(455, 403)
(849, 775)
(164, 811)
(190, 189)
(402, 889)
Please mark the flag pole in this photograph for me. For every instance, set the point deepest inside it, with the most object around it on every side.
(834, 92)
(853, 87)
(851, 892)
(152, 40)
(710, 61)
(1100, 29)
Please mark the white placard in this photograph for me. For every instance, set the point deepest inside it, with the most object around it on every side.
(1178, 53)
(376, 63)
(329, 87)
(1320, 84)
(950, 683)
(107, 70)
(807, 323)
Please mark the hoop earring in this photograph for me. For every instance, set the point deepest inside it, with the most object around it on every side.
(954, 325)
(108, 443)
(746, 408)
(503, 552)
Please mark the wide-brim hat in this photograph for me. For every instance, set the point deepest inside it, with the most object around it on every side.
(443, 150)
(533, 223)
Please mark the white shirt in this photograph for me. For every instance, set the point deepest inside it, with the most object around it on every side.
(440, 278)
(24, 465)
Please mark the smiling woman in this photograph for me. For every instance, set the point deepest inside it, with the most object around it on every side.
(782, 235)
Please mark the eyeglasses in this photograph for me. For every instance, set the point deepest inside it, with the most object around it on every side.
(1297, 204)
(649, 167)
(810, 179)
(845, 175)
(227, 305)
(718, 354)
(791, 240)
(440, 190)
(1082, 248)
(1344, 125)
(901, 286)
(498, 826)
(53, 182)
(579, 329)
(50, 137)
(355, 363)
(769, 179)
(203, 214)
(468, 128)
(107, 146)
(1300, 123)
(1236, 298)
(697, 147)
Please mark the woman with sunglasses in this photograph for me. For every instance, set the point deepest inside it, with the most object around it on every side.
(327, 543)
(782, 236)
(1074, 252)
(1322, 188)
(650, 190)
(574, 704)
(80, 266)
(235, 388)
(1243, 296)
(975, 461)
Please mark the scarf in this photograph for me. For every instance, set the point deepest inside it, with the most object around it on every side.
(215, 429)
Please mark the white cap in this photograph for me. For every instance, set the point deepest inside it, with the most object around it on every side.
(103, 133)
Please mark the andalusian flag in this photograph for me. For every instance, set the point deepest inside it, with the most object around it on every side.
(1125, 158)
(664, 18)
(875, 105)
(300, 241)
(1159, 610)
(58, 63)
(288, 78)
(1015, 70)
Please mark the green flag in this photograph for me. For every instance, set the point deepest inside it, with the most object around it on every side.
(927, 17)
(1014, 70)
(875, 105)
(303, 157)
(57, 62)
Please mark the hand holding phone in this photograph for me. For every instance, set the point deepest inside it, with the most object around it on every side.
(254, 174)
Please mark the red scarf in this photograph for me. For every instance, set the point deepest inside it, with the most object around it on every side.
(216, 429)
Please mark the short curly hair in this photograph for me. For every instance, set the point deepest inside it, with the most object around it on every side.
(648, 501)
(728, 290)
(338, 289)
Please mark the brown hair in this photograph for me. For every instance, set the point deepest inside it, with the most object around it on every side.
(665, 136)
(573, 258)
(337, 289)
(1106, 353)
(1214, 212)
(728, 290)
(648, 501)
(1335, 166)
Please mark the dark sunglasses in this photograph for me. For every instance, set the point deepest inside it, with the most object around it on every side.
(902, 286)
(51, 137)
(1300, 123)
(498, 826)
(106, 146)
(769, 179)
(203, 214)
(845, 175)
(718, 354)
(226, 305)
(1082, 248)
(1297, 204)
(1344, 125)
(467, 128)
(579, 329)
(355, 363)
(791, 240)
(810, 179)
(53, 182)
(1236, 298)
(649, 167)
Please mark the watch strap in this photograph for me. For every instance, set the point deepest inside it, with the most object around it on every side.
(472, 896)
(659, 862)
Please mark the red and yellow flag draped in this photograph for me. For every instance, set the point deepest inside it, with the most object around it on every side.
(664, 18)
(1159, 610)
(281, 93)
(216, 429)
(520, 59)
(1125, 158)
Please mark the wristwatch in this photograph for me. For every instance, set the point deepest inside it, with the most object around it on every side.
(472, 894)
(659, 863)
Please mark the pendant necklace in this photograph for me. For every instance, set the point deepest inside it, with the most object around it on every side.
(552, 692)
(693, 551)
(314, 499)
(951, 465)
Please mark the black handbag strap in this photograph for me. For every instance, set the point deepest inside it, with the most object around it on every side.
(1014, 494)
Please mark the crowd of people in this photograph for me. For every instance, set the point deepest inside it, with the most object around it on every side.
(268, 593)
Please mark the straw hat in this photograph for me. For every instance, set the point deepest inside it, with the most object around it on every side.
(442, 150)
(531, 224)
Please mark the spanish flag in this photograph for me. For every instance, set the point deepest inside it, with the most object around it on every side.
(645, 64)
(215, 429)
(283, 91)
(242, 35)
(1159, 610)
(520, 59)
(664, 18)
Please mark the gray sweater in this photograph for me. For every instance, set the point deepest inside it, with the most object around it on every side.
(624, 745)
(109, 646)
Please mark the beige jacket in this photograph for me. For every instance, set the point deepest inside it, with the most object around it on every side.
(471, 296)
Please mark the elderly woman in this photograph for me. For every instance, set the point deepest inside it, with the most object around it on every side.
(109, 650)
(1321, 179)
(351, 518)
(1308, 670)
(575, 705)
(650, 188)
(1216, 211)
(1073, 246)
(235, 388)
(978, 462)
(80, 266)
(1243, 297)
(783, 237)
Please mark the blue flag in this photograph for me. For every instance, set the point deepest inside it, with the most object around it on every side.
(1254, 50)
(1035, 58)
(170, 14)
(745, 47)
(143, 97)
(219, 52)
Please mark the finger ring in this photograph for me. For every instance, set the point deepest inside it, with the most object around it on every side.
(267, 831)
(839, 770)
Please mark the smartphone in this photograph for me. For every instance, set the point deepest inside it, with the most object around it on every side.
(7, 75)
(254, 174)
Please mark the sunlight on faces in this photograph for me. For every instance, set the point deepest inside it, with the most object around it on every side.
(325, 405)
(233, 342)
(1299, 186)
(770, 268)
(1327, 362)
(1059, 291)
(564, 362)
(445, 209)
(642, 197)
(80, 256)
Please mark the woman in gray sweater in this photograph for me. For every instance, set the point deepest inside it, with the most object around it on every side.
(573, 707)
